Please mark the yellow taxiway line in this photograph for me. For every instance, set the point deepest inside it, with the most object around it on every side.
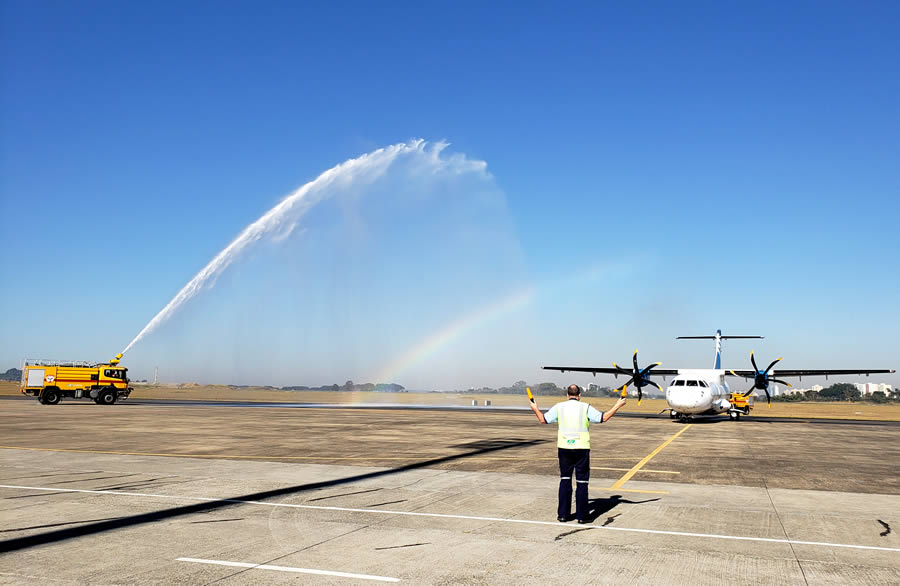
(639, 465)
(611, 489)
(629, 469)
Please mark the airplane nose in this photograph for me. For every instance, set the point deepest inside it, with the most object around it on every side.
(686, 400)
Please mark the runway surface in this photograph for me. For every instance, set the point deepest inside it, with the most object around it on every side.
(499, 409)
(156, 492)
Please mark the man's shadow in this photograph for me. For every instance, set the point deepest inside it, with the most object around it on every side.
(598, 507)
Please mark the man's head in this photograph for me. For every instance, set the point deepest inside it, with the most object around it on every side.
(573, 391)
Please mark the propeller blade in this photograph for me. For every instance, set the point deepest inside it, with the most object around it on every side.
(634, 359)
(753, 361)
(768, 398)
(774, 362)
(649, 368)
(781, 382)
(740, 375)
(624, 391)
(650, 382)
(640, 395)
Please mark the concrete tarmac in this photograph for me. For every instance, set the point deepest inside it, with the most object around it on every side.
(128, 494)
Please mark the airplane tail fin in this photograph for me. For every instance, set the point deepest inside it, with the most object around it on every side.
(718, 338)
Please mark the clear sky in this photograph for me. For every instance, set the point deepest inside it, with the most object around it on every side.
(654, 169)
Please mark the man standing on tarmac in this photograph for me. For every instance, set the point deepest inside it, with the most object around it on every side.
(574, 448)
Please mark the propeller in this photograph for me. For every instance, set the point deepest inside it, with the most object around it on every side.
(762, 379)
(638, 376)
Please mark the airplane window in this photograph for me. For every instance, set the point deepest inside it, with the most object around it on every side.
(703, 384)
(678, 383)
(692, 383)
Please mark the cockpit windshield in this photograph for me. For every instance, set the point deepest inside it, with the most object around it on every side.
(678, 383)
(692, 383)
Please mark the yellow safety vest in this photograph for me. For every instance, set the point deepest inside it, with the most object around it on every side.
(573, 423)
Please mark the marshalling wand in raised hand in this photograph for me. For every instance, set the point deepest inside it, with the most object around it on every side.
(534, 407)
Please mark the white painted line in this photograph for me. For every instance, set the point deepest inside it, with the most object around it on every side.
(289, 569)
(446, 516)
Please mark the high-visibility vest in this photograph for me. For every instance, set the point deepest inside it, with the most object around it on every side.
(573, 423)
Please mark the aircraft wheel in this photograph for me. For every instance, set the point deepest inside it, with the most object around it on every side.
(734, 415)
(673, 414)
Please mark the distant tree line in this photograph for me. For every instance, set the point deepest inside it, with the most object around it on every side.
(541, 390)
(839, 392)
(349, 386)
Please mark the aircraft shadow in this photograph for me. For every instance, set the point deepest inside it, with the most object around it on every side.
(58, 535)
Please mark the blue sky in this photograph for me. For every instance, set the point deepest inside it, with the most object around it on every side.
(666, 170)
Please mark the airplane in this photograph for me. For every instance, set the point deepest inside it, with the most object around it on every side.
(705, 392)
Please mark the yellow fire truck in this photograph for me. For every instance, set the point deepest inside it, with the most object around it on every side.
(51, 380)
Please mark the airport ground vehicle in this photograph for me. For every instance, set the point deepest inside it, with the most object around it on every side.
(51, 380)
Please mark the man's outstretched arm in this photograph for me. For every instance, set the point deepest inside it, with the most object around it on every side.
(538, 413)
(607, 414)
(534, 406)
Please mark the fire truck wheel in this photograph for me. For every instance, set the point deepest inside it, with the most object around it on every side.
(50, 396)
(107, 397)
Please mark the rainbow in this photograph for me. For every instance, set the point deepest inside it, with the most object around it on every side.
(454, 330)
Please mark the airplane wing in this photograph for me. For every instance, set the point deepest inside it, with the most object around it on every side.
(802, 373)
(595, 370)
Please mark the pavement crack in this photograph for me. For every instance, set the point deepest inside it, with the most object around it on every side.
(216, 521)
(783, 530)
(399, 546)
(334, 496)
(387, 503)
(91, 479)
(887, 528)
(302, 549)
(423, 478)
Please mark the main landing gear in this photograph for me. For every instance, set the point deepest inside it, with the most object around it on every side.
(682, 417)
(735, 414)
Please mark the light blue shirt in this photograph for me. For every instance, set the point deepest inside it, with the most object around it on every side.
(593, 415)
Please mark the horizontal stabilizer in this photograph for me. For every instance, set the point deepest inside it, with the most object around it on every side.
(714, 337)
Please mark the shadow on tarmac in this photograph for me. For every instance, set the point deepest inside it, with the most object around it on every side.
(29, 541)
(598, 507)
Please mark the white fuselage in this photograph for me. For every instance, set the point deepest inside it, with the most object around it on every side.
(699, 392)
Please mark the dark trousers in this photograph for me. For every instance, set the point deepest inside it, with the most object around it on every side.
(580, 462)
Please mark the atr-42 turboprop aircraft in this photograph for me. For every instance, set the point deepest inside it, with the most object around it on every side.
(705, 391)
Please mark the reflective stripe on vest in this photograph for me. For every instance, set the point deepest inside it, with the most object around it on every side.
(573, 425)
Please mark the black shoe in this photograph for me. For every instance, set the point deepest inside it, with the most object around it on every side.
(561, 519)
(583, 521)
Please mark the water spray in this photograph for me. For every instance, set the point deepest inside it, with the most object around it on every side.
(281, 219)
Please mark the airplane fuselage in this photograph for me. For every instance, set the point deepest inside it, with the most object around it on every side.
(699, 392)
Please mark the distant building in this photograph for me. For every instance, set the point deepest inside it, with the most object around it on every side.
(869, 388)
